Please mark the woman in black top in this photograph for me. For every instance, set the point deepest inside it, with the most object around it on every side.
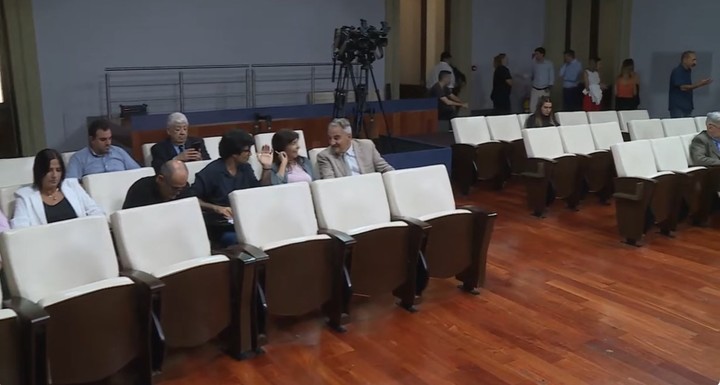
(502, 86)
(543, 116)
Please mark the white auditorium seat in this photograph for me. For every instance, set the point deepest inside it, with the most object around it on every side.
(595, 165)
(312, 155)
(169, 242)
(109, 189)
(686, 141)
(212, 145)
(15, 171)
(194, 168)
(255, 163)
(459, 236)
(522, 119)
(299, 257)
(606, 134)
(385, 256)
(147, 155)
(475, 155)
(645, 129)
(7, 199)
(73, 275)
(507, 129)
(549, 164)
(670, 155)
(266, 139)
(624, 117)
(572, 118)
(603, 117)
(679, 126)
(700, 123)
(66, 157)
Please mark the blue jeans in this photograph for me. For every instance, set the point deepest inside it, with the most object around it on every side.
(228, 238)
(680, 113)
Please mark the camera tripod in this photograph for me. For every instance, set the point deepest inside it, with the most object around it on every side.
(360, 88)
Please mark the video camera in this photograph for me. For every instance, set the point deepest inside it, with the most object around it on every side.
(364, 43)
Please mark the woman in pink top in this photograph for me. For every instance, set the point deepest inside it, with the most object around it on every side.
(288, 166)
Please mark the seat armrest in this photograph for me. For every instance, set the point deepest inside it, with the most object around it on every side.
(143, 278)
(632, 188)
(475, 210)
(338, 236)
(33, 319)
(412, 222)
(540, 167)
(28, 312)
(245, 253)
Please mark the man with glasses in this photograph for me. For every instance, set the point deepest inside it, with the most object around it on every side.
(171, 182)
(222, 176)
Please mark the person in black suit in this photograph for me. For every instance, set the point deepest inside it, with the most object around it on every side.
(178, 145)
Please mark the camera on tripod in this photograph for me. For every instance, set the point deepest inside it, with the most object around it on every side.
(364, 43)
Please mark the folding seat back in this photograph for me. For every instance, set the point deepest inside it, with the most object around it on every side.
(147, 154)
(686, 141)
(669, 154)
(266, 139)
(577, 139)
(212, 145)
(505, 127)
(627, 116)
(679, 126)
(543, 143)
(195, 167)
(109, 189)
(606, 134)
(66, 156)
(470, 130)
(522, 119)
(169, 242)
(572, 118)
(645, 129)
(16, 171)
(385, 255)
(700, 123)
(280, 220)
(73, 274)
(603, 117)
(312, 154)
(255, 163)
(422, 192)
(7, 200)
(634, 159)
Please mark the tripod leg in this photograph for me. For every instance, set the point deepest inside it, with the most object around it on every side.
(359, 103)
(388, 129)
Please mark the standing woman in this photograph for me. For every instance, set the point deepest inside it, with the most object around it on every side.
(627, 87)
(593, 88)
(502, 86)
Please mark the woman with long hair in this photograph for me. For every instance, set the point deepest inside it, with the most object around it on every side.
(627, 87)
(502, 86)
(288, 165)
(543, 115)
(593, 86)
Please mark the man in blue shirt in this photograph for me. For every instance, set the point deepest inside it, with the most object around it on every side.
(543, 77)
(100, 155)
(680, 97)
(570, 73)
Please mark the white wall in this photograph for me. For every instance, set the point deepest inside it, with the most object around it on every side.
(514, 27)
(661, 30)
(78, 39)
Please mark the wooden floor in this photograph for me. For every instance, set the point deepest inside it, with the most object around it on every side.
(565, 303)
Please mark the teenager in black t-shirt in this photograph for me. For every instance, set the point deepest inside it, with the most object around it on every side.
(448, 103)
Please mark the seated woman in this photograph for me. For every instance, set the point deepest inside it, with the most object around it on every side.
(288, 166)
(51, 198)
(543, 116)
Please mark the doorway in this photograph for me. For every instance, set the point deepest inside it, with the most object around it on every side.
(9, 135)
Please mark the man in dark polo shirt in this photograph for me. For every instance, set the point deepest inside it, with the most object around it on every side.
(170, 183)
(680, 97)
(222, 176)
(447, 102)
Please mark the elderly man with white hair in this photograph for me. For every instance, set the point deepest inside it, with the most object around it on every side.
(705, 147)
(178, 145)
(347, 156)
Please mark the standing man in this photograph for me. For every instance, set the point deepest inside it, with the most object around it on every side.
(680, 97)
(543, 77)
(443, 65)
(448, 103)
(100, 155)
(570, 74)
(178, 145)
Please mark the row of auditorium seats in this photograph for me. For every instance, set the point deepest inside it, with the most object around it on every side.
(656, 184)
(622, 118)
(154, 283)
(660, 128)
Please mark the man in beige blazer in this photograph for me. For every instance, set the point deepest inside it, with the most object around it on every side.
(347, 156)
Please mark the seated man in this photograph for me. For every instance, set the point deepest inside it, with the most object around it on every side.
(170, 183)
(705, 147)
(100, 155)
(222, 176)
(347, 156)
(178, 145)
(448, 103)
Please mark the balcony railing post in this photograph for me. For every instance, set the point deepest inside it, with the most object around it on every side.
(248, 89)
(108, 104)
(254, 86)
(312, 85)
(181, 83)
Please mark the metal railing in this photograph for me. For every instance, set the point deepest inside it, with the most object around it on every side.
(216, 87)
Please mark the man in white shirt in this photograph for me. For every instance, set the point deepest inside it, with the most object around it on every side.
(434, 74)
(543, 77)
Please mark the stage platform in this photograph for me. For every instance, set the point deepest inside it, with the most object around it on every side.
(417, 150)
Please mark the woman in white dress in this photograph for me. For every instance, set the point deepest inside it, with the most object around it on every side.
(593, 87)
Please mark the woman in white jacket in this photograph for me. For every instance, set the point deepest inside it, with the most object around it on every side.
(51, 198)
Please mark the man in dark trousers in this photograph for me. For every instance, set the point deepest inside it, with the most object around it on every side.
(178, 145)
(448, 103)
